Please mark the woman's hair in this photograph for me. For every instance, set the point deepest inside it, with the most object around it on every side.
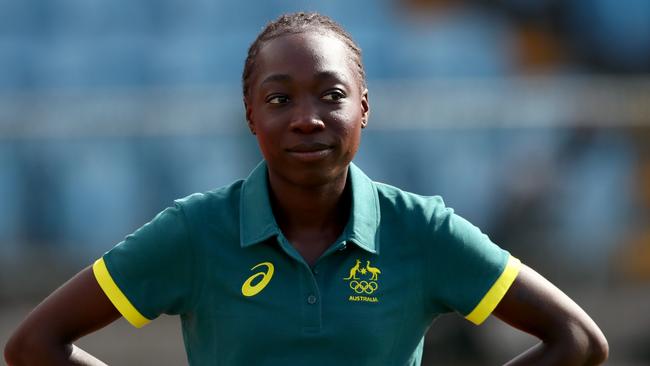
(299, 23)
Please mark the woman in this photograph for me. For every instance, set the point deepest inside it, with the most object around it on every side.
(307, 261)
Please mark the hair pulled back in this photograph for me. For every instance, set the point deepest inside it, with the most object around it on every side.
(299, 23)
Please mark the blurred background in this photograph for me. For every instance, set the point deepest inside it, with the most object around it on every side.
(530, 117)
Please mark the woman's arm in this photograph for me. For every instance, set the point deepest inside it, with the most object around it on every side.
(568, 335)
(45, 336)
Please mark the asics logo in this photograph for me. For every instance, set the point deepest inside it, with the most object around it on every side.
(248, 289)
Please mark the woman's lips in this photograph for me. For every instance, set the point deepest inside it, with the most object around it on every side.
(310, 151)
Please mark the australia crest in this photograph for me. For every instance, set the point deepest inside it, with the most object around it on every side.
(363, 282)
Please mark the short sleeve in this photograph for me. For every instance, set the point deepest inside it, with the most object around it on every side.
(151, 271)
(467, 272)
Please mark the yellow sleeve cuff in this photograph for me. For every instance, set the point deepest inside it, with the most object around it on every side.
(496, 292)
(117, 297)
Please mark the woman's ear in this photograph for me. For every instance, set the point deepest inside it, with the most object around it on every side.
(365, 108)
(249, 120)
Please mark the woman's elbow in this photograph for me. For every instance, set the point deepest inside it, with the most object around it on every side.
(15, 350)
(586, 342)
(28, 349)
(598, 349)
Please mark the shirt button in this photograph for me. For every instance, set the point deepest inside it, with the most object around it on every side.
(343, 246)
(315, 270)
(311, 299)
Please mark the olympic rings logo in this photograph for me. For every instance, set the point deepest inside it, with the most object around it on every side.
(362, 287)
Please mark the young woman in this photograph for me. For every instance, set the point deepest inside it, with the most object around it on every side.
(307, 261)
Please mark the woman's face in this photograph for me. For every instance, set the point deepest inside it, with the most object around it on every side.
(306, 107)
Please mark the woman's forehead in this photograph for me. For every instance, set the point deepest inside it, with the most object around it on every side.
(312, 51)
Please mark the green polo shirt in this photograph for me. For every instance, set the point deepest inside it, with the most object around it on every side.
(246, 297)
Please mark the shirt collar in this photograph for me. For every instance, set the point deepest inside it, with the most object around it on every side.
(258, 224)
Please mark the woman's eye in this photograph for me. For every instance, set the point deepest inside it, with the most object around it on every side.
(333, 96)
(277, 99)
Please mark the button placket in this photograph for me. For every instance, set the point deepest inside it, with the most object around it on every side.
(311, 303)
(343, 246)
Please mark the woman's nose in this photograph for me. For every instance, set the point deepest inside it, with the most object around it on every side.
(306, 119)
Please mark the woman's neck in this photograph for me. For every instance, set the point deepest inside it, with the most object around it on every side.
(322, 208)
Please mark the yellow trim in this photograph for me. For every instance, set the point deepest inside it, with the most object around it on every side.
(117, 297)
(496, 292)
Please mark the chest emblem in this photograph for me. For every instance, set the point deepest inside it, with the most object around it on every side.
(363, 281)
(248, 289)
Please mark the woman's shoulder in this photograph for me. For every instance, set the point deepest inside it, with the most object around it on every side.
(411, 205)
(224, 198)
